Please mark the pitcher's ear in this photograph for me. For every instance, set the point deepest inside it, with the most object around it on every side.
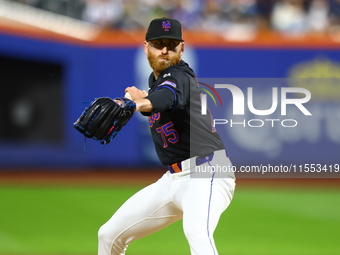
(146, 47)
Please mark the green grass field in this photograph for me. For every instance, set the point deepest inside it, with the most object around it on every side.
(260, 221)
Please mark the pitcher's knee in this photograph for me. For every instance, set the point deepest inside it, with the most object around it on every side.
(198, 234)
(104, 235)
(201, 242)
(110, 241)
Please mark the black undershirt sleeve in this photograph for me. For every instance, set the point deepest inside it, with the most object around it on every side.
(162, 99)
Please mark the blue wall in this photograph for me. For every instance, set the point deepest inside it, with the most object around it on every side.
(91, 72)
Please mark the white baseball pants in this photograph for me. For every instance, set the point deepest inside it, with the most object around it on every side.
(198, 201)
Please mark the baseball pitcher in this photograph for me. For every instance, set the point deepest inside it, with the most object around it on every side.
(185, 142)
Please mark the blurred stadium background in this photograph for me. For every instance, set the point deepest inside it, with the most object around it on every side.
(57, 54)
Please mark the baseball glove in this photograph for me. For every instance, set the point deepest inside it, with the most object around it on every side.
(104, 118)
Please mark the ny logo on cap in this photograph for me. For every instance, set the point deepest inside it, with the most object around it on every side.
(166, 25)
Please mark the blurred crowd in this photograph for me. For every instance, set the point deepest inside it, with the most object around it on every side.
(294, 17)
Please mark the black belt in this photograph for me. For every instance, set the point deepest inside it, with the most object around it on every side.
(177, 167)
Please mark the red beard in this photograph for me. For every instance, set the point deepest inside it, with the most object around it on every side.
(159, 65)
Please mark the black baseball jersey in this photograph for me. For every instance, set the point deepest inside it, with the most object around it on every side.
(178, 128)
